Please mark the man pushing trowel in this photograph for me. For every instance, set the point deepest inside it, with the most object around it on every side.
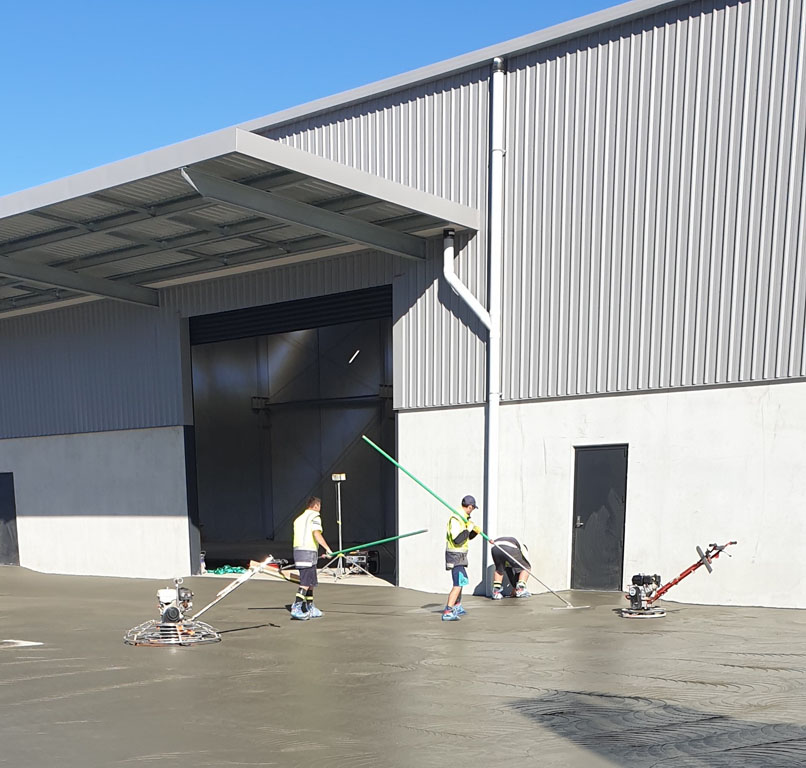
(308, 537)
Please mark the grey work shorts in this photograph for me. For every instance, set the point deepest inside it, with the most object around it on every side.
(308, 577)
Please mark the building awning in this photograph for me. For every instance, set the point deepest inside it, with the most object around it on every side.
(225, 202)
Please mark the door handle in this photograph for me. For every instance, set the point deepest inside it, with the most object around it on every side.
(579, 523)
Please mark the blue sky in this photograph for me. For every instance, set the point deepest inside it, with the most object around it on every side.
(86, 82)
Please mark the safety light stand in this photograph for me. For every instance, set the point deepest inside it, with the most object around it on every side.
(339, 479)
(341, 571)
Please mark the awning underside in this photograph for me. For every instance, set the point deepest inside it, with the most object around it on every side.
(203, 217)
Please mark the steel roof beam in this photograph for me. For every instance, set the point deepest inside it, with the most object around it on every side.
(148, 212)
(265, 251)
(106, 225)
(62, 278)
(242, 231)
(115, 221)
(257, 256)
(210, 233)
(317, 219)
(63, 221)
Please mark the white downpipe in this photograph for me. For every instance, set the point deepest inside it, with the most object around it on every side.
(459, 288)
(490, 318)
(497, 152)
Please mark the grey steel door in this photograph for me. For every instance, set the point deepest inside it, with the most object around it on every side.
(600, 491)
(9, 551)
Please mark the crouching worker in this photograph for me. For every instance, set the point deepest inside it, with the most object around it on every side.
(509, 556)
(307, 539)
(459, 534)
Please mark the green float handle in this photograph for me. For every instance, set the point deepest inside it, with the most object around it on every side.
(460, 515)
(421, 484)
(373, 543)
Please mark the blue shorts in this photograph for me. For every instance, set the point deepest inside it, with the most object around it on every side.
(459, 575)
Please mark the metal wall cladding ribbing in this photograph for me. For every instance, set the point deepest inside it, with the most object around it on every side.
(439, 348)
(105, 365)
(433, 137)
(655, 204)
(438, 343)
(90, 368)
(316, 277)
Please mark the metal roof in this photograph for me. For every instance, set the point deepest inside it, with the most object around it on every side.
(544, 38)
(226, 200)
(140, 222)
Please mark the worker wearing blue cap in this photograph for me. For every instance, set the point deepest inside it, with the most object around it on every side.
(460, 532)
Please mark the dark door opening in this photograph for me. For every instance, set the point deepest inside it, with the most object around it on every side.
(281, 400)
(9, 548)
(600, 492)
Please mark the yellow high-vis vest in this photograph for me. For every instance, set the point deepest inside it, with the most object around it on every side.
(304, 526)
(450, 544)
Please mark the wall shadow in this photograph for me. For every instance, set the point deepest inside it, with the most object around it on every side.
(638, 732)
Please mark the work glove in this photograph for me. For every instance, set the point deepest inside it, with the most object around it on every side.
(476, 530)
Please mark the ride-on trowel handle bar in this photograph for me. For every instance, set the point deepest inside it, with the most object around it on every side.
(712, 553)
(720, 547)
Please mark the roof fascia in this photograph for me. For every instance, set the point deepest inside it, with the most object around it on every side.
(120, 172)
(228, 141)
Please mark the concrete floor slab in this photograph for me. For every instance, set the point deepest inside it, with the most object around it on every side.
(381, 681)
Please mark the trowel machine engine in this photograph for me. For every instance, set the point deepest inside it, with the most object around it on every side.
(646, 589)
(174, 603)
(642, 589)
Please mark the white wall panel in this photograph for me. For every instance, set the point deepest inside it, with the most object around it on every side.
(104, 504)
(706, 465)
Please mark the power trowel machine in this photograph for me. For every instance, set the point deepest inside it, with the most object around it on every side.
(175, 626)
(645, 589)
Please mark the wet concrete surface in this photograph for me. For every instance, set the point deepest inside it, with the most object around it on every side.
(381, 681)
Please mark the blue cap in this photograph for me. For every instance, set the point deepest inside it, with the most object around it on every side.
(469, 501)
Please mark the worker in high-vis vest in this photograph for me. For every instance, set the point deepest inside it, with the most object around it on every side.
(308, 537)
(459, 533)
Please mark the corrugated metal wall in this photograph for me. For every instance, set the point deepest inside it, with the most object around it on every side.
(655, 235)
(655, 183)
(108, 365)
(439, 345)
(433, 138)
(335, 274)
(89, 368)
